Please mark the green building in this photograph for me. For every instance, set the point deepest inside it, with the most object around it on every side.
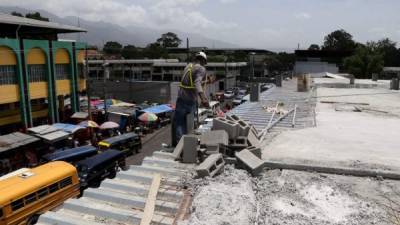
(37, 72)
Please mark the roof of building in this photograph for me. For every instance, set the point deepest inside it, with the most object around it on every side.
(30, 26)
(15, 140)
(322, 53)
(217, 50)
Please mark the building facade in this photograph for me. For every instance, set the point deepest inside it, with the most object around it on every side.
(37, 72)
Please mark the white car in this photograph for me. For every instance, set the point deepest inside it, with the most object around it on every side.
(229, 94)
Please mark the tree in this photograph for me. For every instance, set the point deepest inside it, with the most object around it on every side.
(36, 16)
(17, 14)
(112, 47)
(273, 63)
(364, 62)
(169, 40)
(314, 47)
(339, 40)
(130, 52)
(155, 51)
(391, 55)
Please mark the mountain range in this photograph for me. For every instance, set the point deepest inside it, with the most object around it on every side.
(101, 32)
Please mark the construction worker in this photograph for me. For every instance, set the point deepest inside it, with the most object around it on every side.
(189, 88)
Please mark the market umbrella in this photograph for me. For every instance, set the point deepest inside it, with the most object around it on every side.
(109, 125)
(148, 117)
(89, 123)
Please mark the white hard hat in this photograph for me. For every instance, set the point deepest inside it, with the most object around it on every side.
(202, 54)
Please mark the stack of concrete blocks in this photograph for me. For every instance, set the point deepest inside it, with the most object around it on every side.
(214, 141)
(211, 166)
(249, 161)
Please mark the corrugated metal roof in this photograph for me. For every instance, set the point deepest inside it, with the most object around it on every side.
(15, 140)
(16, 20)
(122, 200)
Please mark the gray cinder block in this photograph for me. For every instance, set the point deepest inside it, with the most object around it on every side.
(211, 166)
(249, 161)
(190, 148)
(244, 128)
(229, 126)
(214, 137)
(253, 139)
(255, 150)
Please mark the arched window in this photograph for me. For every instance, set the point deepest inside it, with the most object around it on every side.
(62, 64)
(8, 66)
(36, 60)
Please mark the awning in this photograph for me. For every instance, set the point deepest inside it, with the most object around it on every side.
(43, 129)
(80, 115)
(54, 136)
(158, 109)
(69, 128)
(15, 140)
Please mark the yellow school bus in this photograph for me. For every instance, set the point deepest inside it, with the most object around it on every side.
(24, 196)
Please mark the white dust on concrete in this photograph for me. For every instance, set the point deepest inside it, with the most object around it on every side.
(311, 198)
(225, 200)
(286, 197)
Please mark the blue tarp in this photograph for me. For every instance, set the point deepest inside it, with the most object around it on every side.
(69, 128)
(158, 109)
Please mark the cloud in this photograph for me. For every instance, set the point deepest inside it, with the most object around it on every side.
(227, 1)
(302, 15)
(94, 10)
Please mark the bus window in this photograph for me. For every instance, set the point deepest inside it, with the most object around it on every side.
(30, 198)
(17, 204)
(42, 192)
(67, 181)
(53, 188)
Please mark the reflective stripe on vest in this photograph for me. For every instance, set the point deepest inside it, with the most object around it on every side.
(191, 85)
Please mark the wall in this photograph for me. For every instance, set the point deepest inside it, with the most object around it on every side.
(137, 91)
(302, 67)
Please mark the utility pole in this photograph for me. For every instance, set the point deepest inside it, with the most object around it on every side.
(105, 76)
(87, 82)
(188, 51)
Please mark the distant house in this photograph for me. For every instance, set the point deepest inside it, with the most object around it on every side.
(319, 61)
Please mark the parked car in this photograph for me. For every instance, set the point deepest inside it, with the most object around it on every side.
(238, 100)
(71, 155)
(127, 143)
(229, 94)
(94, 169)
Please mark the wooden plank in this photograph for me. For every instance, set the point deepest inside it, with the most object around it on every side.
(151, 200)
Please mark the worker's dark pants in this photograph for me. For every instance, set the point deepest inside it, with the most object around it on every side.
(182, 109)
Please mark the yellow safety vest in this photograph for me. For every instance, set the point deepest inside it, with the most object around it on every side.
(191, 85)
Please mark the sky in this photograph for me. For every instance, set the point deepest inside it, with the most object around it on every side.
(269, 24)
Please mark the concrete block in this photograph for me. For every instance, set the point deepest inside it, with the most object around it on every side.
(178, 149)
(253, 139)
(230, 160)
(249, 161)
(212, 149)
(239, 141)
(211, 166)
(229, 126)
(190, 148)
(214, 137)
(255, 150)
(244, 128)
(232, 117)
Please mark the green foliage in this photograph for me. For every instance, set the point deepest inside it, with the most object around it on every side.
(280, 62)
(216, 58)
(339, 40)
(112, 47)
(130, 52)
(17, 14)
(169, 40)
(36, 16)
(155, 51)
(314, 47)
(391, 55)
(364, 62)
